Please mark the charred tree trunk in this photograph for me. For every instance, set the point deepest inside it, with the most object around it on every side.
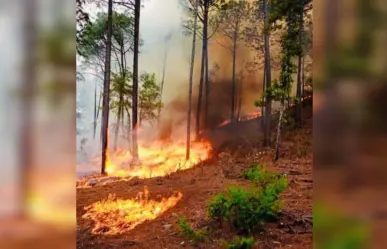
(129, 132)
(207, 86)
(106, 89)
(268, 78)
(234, 51)
(207, 102)
(188, 145)
(299, 78)
(135, 80)
(200, 95)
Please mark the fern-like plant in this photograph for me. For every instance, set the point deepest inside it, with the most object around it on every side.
(260, 175)
(239, 243)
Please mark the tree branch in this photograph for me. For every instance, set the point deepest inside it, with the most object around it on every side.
(224, 46)
(95, 75)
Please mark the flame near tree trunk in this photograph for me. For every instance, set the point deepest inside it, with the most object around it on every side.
(157, 159)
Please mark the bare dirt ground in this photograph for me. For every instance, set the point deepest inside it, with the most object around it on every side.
(199, 184)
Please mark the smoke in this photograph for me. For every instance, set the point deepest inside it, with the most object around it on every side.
(174, 113)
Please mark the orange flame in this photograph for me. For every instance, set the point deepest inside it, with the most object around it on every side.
(251, 116)
(117, 216)
(156, 160)
(224, 122)
(244, 118)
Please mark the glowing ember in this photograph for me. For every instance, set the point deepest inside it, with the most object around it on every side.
(227, 121)
(117, 216)
(157, 160)
(251, 116)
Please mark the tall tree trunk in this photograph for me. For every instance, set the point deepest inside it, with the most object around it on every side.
(240, 95)
(207, 86)
(117, 129)
(200, 95)
(207, 102)
(129, 133)
(95, 111)
(263, 98)
(106, 89)
(268, 77)
(279, 132)
(188, 145)
(99, 105)
(121, 99)
(234, 50)
(303, 78)
(162, 84)
(122, 118)
(299, 77)
(29, 89)
(135, 80)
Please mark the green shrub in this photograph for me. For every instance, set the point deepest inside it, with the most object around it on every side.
(245, 209)
(239, 243)
(190, 233)
(258, 174)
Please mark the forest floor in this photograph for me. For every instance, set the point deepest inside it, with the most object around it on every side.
(199, 184)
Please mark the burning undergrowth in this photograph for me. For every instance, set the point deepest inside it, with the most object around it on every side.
(157, 159)
(116, 216)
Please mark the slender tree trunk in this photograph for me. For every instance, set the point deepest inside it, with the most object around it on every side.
(119, 117)
(130, 134)
(122, 118)
(268, 78)
(207, 102)
(29, 89)
(188, 145)
(279, 132)
(121, 100)
(263, 98)
(240, 95)
(200, 95)
(234, 50)
(303, 78)
(99, 105)
(162, 84)
(299, 77)
(135, 80)
(95, 111)
(106, 89)
(207, 86)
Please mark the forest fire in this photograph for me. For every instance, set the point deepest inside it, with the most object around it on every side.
(116, 216)
(158, 159)
(244, 118)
